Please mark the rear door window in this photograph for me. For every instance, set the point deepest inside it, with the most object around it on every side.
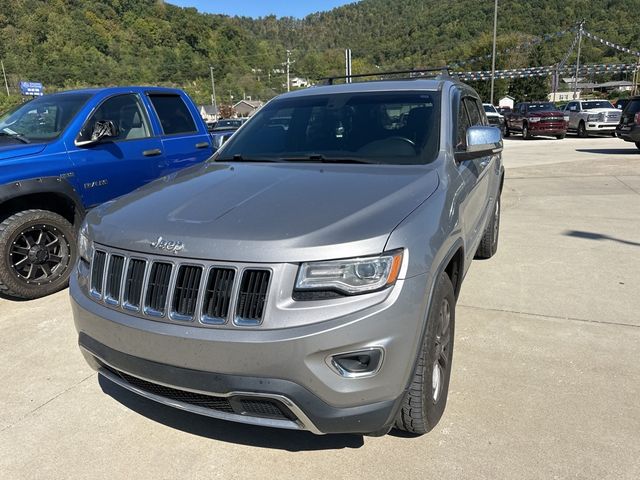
(633, 107)
(173, 113)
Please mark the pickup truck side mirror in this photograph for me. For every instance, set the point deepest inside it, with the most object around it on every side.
(101, 129)
(481, 142)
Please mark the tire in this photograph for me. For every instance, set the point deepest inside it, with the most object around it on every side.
(489, 243)
(426, 398)
(560, 137)
(582, 130)
(638, 145)
(525, 132)
(37, 254)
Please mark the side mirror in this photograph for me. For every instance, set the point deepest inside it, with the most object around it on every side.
(481, 142)
(101, 129)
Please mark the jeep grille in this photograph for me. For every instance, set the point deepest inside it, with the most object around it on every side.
(180, 291)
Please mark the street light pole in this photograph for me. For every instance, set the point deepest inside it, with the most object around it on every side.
(575, 78)
(4, 74)
(213, 92)
(493, 56)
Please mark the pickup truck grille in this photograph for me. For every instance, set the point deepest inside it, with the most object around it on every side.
(180, 291)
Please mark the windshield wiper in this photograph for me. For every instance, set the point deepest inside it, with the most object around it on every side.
(239, 158)
(317, 158)
(16, 136)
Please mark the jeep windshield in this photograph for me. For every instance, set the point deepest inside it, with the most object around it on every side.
(401, 128)
(42, 119)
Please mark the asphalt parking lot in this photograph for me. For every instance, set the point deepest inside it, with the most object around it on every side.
(546, 380)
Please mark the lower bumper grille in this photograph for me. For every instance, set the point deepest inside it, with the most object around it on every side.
(246, 406)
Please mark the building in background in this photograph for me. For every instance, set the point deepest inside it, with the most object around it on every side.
(246, 108)
(209, 113)
(506, 102)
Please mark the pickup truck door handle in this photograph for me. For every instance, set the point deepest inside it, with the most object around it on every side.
(202, 145)
(152, 153)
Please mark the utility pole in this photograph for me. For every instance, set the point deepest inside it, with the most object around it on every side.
(347, 65)
(575, 78)
(288, 67)
(493, 56)
(4, 74)
(213, 92)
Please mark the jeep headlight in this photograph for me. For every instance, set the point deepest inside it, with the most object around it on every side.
(85, 244)
(351, 276)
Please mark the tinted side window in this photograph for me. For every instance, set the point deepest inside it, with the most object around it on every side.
(475, 116)
(173, 114)
(632, 107)
(126, 112)
(462, 126)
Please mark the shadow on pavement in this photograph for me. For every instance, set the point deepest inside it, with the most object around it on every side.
(598, 236)
(610, 151)
(231, 432)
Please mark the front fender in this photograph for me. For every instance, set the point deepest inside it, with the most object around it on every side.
(44, 185)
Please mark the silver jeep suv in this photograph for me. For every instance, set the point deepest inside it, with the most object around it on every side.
(306, 276)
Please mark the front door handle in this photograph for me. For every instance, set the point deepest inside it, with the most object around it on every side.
(202, 145)
(152, 153)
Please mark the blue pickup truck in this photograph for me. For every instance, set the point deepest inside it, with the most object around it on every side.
(65, 153)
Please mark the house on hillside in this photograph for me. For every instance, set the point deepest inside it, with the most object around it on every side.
(209, 113)
(246, 108)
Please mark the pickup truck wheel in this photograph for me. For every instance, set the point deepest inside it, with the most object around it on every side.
(525, 132)
(582, 130)
(561, 136)
(426, 399)
(489, 243)
(37, 249)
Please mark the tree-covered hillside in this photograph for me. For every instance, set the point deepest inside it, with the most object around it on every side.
(71, 43)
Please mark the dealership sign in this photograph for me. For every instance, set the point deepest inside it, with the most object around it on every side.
(35, 89)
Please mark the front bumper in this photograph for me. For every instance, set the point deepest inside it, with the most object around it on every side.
(287, 366)
(547, 128)
(601, 127)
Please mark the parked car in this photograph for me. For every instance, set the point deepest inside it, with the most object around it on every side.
(223, 129)
(65, 153)
(495, 118)
(592, 116)
(306, 276)
(536, 119)
(629, 127)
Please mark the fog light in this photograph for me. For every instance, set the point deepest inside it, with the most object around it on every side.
(358, 364)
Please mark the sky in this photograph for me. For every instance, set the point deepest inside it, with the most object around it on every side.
(261, 8)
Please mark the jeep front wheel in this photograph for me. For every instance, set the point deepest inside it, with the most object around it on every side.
(37, 249)
(426, 398)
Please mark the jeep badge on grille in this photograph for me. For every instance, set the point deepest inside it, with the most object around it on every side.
(168, 245)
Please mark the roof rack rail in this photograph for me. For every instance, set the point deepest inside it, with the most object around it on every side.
(416, 73)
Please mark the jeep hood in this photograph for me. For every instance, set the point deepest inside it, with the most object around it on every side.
(9, 151)
(267, 212)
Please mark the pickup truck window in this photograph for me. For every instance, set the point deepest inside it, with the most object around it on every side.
(542, 107)
(126, 112)
(385, 128)
(42, 119)
(173, 114)
(596, 104)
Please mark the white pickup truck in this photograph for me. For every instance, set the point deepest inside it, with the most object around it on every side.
(592, 117)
